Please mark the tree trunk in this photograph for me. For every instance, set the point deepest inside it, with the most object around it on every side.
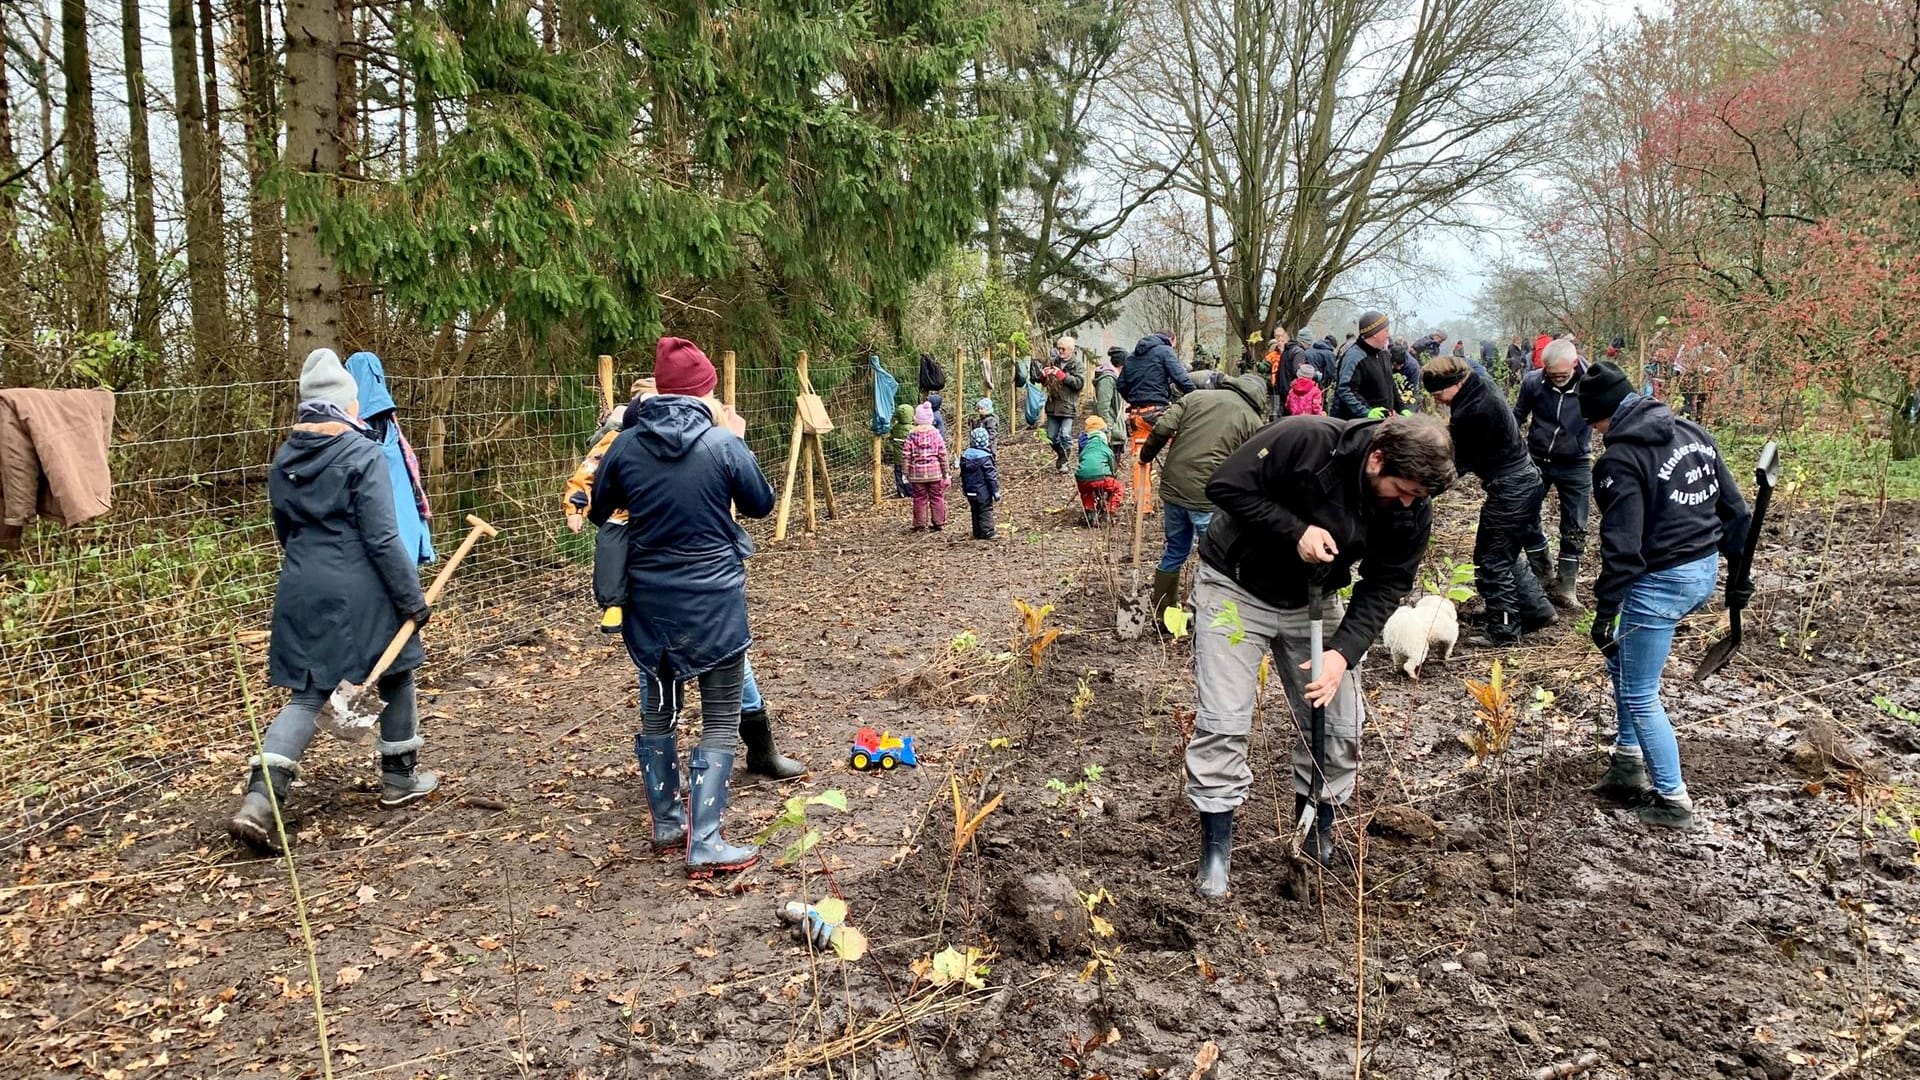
(146, 268)
(16, 358)
(87, 259)
(263, 150)
(205, 272)
(210, 108)
(313, 153)
(356, 300)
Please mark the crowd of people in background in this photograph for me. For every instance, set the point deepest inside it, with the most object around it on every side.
(1308, 463)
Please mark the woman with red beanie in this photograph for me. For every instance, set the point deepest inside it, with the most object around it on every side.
(676, 470)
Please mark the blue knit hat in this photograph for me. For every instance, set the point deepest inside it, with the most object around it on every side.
(981, 438)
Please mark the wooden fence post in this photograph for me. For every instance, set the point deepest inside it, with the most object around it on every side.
(873, 378)
(959, 406)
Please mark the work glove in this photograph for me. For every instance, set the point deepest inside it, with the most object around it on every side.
(420, 617)
(1378, 412)
(1605, 625)
(1406, 412)
(577, 499)
(1739, 595)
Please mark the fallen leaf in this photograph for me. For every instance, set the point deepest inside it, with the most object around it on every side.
(366, 894)
(848, 943)
(347, 976)
(1204, 1061)
(428, 975)
(487, 943)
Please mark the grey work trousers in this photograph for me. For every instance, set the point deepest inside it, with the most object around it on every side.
(1227, 675)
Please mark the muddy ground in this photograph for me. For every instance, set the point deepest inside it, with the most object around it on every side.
(517, 925)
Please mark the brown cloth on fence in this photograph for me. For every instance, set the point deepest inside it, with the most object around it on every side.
(53, 458)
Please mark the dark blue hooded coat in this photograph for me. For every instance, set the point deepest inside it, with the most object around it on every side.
(346, 580)
(1152, 373)
(676, 474)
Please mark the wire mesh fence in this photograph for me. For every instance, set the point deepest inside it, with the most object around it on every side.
(127, 640)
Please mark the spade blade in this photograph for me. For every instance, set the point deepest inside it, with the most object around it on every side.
(1716, 657)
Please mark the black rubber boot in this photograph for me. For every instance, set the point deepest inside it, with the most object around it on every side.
(1626, 782)
(402, 783)
(660, 773)
(708, 853)
(1539, 618)
(1166, 593)
(1216, 854)
(1501, 630)
(1319, 842)
(253, 824)
(1565, 588)
(756, 732)
(1540, 563)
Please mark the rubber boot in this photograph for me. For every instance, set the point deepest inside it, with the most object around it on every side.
(1166, 593)
(400, 782)
(1501, 631)
(660, 771)
(1539, 618)
(253, 824)
(756, 732)
(1540, 563)
(1626, 782)
(1216, 854)
(1319, 841)
(1662, 812)
(1565, 587)
(708, 852)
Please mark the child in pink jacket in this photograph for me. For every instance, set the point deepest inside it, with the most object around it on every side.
(926, 454)
(1303, 396)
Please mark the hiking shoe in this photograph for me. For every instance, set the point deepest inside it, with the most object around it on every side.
(1626, 783)
(1665, 813)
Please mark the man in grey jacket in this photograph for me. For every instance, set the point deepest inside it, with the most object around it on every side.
(1064, 380)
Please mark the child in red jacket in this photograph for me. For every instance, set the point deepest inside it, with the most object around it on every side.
(1304, 397)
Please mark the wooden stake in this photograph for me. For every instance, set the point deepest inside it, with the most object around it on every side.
(786, 489)
(878, 498)
(826, 482)
(959, 427)
(809, 445)
(728, 370)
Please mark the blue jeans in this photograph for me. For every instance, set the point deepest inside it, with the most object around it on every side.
(1184, 526)
(1655, 604)
(1060, 434)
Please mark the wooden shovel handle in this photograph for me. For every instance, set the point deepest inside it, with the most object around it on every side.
(479, 529)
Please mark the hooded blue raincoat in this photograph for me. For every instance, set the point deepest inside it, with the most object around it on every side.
(377, 412)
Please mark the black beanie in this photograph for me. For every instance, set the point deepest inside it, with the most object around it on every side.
(1602, 389)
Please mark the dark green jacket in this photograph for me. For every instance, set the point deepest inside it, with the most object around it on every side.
(1204, 427)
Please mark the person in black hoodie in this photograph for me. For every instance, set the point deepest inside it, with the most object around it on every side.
(1365, 387)
(1307, 498)
(1558, 439)
(1486, 443)
(1668, 509)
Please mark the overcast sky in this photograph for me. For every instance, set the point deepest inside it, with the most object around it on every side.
(1450, 291)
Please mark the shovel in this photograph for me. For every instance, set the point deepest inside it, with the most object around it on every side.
(353, 709)
(1766, 473)
(1317, 730)
(1130, 620)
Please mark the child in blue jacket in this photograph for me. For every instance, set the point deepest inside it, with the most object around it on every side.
(980, 479)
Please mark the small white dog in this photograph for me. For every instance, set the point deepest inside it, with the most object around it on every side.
(1414, 631)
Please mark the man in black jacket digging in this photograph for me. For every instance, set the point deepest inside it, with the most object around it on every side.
(1307, 497)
